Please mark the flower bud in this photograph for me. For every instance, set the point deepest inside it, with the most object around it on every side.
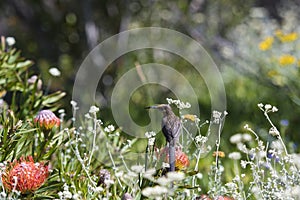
(46, 119)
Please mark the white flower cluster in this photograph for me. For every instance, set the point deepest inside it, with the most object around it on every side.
(93, 109)
(54, 72)
(217, 116)
(151, 137)
(66, 194)
(74, 105)
(109, 128)
(240, 138)
(267, 108)
(158, 191)
(199, 139)
(10, 41)
(235, 156)
(179, 104)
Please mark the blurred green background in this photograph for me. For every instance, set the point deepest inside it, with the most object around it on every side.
(60, 33)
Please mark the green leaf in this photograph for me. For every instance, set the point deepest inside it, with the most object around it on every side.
(52, 98)
(26, 63)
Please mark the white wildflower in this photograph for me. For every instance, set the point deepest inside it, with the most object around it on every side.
(235, 139)
(244, 164)
(149, 173)
(175, 176)
(155, 191)
(273, 131)
(230, 185)
(247, 137)
(199, 175)
(119, 173)
(93, 109)
(97, 189)
(10, 41)
(3, 195)
(235, 155)
(277, 145)
(150, 134)
(108, 182)
(221, 168)
(295, 191)
(74, 104)
(88, 116)
(261, 154)
(260, 105)
(163, 181)
(151, 141)
(54, 72)
(67, 194)
(60, 111)
(200, 139)
(138, 168)
(109, 128)
(180, 105)
(246, 126)
(76, 197)
(216, 116)
(268, 106)
(274, 109)
(165, 165)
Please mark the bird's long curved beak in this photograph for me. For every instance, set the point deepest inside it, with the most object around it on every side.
(158, 106)
(150, 107)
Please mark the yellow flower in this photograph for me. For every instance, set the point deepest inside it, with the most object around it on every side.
(266, 44)
(288, 37)
(287, 59)
(272, 73)
(190, 117)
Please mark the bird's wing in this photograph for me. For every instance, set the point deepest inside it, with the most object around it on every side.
(171, 128)
(176, 128)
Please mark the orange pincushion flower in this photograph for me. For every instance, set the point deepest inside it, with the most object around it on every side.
(24, 175)
(181, 159)
(46, 119)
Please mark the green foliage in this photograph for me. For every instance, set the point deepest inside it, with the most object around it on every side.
(22, 91)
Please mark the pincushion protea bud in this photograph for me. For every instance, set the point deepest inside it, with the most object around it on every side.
(181, 159)
(46, 119)
(24, 175)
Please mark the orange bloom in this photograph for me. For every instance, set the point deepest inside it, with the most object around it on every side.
(46, 119)
(24, 175)
(220, 154)
(181, 159)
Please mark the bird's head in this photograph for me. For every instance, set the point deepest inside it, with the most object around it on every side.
(165, 108)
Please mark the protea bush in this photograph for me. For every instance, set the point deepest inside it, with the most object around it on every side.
(46, 153)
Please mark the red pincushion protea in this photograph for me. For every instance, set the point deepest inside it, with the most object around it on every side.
(24, 175)
(46, 119)
(181, 159)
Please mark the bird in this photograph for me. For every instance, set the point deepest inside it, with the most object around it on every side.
(171, 128)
